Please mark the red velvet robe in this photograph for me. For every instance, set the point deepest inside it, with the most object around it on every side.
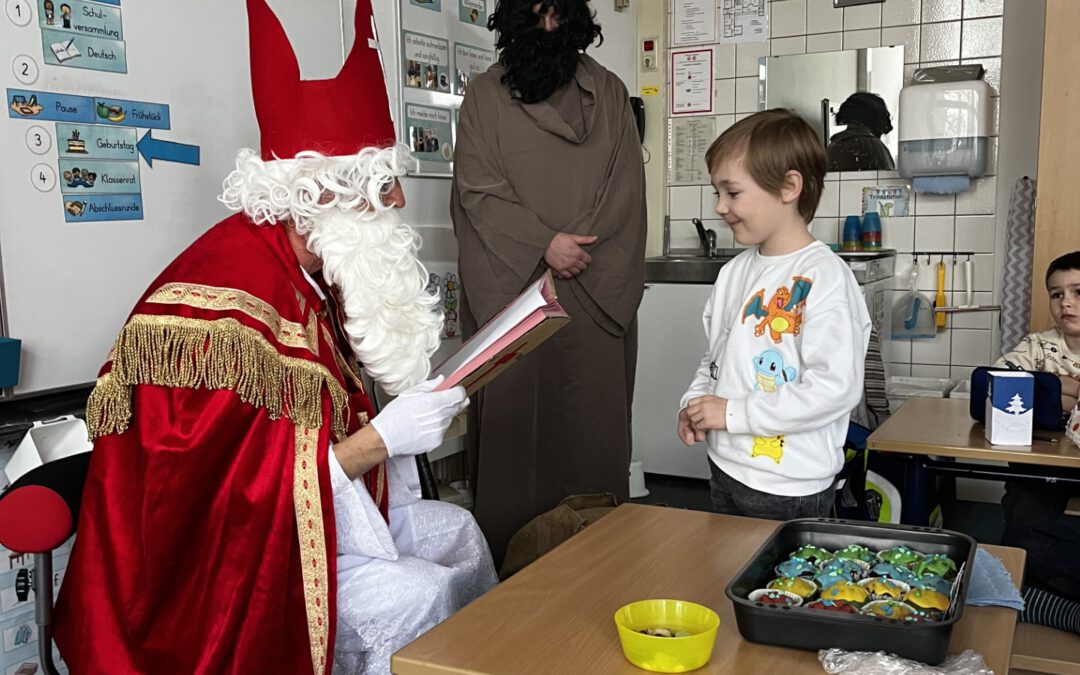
(206, 541)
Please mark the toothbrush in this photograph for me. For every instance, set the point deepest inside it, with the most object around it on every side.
(939, 301)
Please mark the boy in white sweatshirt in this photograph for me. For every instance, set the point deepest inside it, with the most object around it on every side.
(787, 329)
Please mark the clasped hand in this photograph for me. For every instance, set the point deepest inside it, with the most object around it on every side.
(702, 414)
(566, 257)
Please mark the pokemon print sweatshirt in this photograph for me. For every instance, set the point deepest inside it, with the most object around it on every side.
(787, 342)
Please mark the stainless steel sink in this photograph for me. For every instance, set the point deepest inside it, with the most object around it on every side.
(687, 269)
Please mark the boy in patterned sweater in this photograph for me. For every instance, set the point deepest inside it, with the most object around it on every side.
(787, 329)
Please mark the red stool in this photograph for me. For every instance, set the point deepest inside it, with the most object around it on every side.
(38, 513)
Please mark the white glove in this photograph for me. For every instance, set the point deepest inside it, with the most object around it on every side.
(416, 421)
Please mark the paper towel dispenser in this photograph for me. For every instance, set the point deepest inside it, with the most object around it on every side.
(944, 129)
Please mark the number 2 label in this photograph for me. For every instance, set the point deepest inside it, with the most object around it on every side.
(25, 69)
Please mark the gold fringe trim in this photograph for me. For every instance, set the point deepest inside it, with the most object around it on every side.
(175, 351)
(108, 410)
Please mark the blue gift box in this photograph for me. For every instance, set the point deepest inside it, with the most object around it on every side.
(1009, 402)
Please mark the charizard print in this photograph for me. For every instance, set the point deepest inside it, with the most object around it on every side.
(783, 313)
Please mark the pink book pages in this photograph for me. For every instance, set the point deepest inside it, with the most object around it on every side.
(503, 333)
(489, 354)
(499, 362)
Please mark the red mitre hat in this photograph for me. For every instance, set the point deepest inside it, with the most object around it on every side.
(337, 117)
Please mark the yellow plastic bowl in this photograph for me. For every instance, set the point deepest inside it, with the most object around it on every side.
(663, 654)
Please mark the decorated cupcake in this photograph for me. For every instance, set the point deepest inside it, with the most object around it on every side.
(933, 582)
(770, 596)
(848, 591)
(882, 588)
(804, 588)
(890, 571)
(928, 600)
(796, 567)
(855, 552)
(936, 563)
(814, 554)
(852, 569)
(900, 555)
(888, 609)
(833, 606)
(826, 579)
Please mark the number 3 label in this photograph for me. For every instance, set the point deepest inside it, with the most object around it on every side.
(38, 140)
(25, 69)
(18, 12)
(43, 177)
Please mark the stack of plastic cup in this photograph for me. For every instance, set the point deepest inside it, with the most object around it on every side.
(853, 237)
(871, 231)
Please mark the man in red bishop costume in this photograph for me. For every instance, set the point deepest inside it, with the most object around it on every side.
(246, 511)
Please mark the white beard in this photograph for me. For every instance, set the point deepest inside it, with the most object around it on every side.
(391, 321)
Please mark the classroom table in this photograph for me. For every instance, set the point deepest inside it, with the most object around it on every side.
(556, 616)
(939, 427)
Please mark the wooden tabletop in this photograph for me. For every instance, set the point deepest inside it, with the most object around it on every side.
(943, 427)
(556, 616)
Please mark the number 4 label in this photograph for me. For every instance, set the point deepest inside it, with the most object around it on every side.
(43, 177)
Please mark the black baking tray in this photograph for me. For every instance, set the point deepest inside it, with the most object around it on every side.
(815, 629)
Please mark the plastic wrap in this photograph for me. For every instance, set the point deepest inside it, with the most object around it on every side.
(880, 663)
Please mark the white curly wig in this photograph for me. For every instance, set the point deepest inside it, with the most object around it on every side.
(367, 253)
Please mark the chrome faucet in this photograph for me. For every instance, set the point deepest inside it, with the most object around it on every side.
(707, 237)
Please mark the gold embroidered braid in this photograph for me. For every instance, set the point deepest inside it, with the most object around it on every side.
(191, 353)
(216, 298)
(309, 530)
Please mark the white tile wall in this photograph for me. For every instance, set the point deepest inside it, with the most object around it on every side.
(901, 13)
(975, 233)
(788, 18)
(933, 32)
(822, 18)
(789, 45)
(724, 61)
(684, 202)
(747, 56)
(746, 94)
(862, 17)
(861, 39)
(724, 96)
(824, 42)
(908, 36)
(940, 10)
(940, 41)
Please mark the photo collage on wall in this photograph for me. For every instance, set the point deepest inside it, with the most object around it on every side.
(445, 44)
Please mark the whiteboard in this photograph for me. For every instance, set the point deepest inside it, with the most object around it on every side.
(68, 286)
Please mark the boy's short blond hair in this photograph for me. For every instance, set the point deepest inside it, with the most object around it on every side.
(771, 143)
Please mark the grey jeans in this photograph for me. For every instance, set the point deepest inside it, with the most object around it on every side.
(731, 497)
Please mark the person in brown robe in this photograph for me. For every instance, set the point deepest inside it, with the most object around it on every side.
(548, 174)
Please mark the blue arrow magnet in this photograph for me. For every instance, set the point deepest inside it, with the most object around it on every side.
(167, 151)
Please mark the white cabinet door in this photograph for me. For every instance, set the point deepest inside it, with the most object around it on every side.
(671, 342)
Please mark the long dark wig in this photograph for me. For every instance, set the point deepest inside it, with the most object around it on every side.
(538, 62)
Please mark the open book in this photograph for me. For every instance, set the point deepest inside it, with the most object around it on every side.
(65, 50)
(515, 331)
